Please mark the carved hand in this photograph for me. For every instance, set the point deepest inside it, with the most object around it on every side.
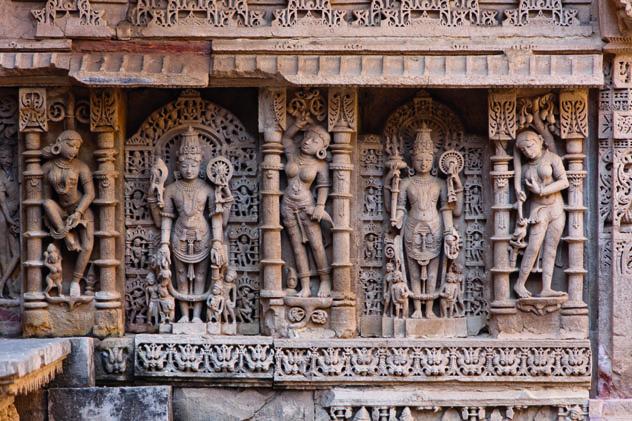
(73, 220)
(522, 197)
(399, 220)
(534, 186)
(164, 255)
(317, 212)
(218, 257)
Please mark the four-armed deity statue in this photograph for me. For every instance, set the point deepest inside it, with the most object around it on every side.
(424, 210)
(193, 214)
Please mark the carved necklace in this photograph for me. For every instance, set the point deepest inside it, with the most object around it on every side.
(188, 197)
(59, 178)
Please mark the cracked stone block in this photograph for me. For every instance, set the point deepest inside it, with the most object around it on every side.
(242, 404)
(78, 366)
(148, 403)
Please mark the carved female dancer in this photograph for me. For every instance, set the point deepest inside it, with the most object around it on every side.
(544, 175)
(68, 191)
(301, 216)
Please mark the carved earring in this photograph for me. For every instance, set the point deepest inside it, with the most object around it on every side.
(321, 154)
(56, 148)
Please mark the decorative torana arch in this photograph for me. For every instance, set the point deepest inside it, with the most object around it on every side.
(221, 134)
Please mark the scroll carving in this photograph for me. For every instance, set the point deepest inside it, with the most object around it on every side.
(549, 12)
(33, 110)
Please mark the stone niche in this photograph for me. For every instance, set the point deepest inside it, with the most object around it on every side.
(296, 213)
(309, 238)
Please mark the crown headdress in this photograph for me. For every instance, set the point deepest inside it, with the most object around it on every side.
(190, 145)
(423, 141)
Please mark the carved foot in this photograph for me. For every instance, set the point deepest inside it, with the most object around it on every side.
(416, 314)
(551, 293)
(325, 289)
(430, 315)
(304, 292)
(184, 319)
(522, 291)
(75, 291)
(197, 320)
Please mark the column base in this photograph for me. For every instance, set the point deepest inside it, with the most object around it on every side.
(108, 322)
(343, 320)
(37, 322)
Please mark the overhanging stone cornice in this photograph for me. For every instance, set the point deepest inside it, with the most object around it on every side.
(225, 68)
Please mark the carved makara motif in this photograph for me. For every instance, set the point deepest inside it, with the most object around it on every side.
(548, 12)
(416, 13)
(212, 13)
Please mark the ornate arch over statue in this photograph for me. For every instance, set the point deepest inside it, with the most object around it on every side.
(189, 126)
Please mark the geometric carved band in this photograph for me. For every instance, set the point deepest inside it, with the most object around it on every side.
(362, 361)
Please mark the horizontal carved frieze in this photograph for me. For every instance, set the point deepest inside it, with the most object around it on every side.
(135, 69)
(361, 361)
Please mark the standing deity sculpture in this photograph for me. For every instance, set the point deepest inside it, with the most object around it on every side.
(422, 209)
(68, 192)
(542, 173)
(188, 239)
(9, 228)
(306, 165)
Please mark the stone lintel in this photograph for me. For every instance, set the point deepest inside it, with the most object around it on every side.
(442, 396)
(117, 69)
(446, 71)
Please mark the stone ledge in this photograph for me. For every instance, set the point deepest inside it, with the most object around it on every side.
(27, 364)
(316, 363)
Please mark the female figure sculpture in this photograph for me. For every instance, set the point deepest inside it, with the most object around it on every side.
(544, 176)
(186, 232)
(301, 216)
(425, 226)
(68, 191)
(9, 227)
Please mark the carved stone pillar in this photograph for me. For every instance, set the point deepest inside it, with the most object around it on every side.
(104, 121)
(342, 122)
(574, 130)
(272, 119)
(502, 129)
(33, 122)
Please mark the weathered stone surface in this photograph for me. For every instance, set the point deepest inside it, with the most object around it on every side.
(33, 406)
(151, 403)
(242, 404)
(610, 409)
(78, 368)
(114, 358)
(21, 357)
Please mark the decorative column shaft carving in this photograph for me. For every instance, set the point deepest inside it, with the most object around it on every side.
(502, 129)
(32, 123)
(104, 121)
(272, 122)
(342, 122)
(574, 129)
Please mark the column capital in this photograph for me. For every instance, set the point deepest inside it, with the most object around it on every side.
(342, 113)
(104, 110)
(573, 114)
(33, 115)
(272, 109)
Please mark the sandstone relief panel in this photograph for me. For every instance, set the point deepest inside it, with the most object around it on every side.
(192, 255)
